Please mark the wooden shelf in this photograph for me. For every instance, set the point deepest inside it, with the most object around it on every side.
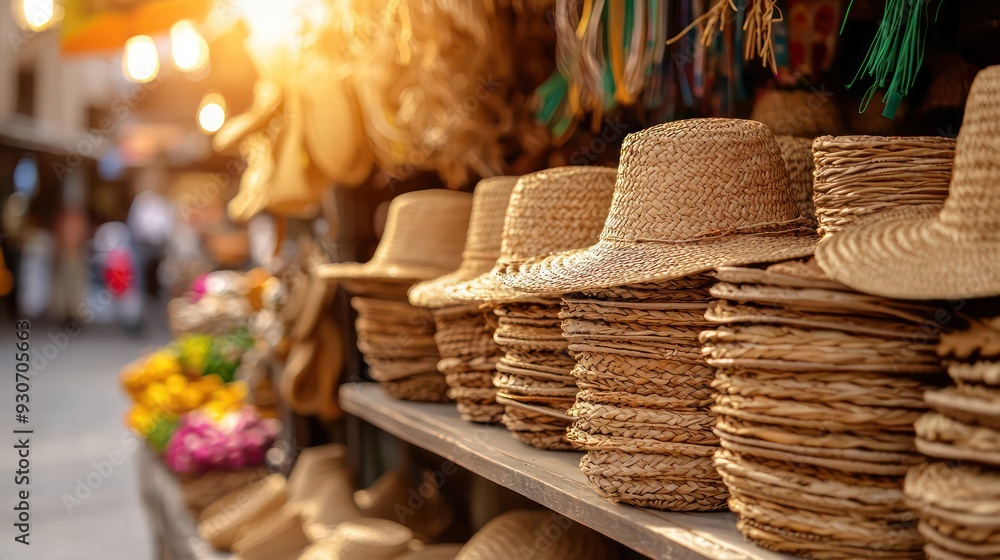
(550, 478)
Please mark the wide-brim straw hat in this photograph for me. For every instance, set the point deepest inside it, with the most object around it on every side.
(550, 211)
(423, 239)
(691, 196)
(514, 535)
(482, 245)
(954, 254)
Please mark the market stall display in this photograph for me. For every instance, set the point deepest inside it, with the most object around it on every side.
(685, 198)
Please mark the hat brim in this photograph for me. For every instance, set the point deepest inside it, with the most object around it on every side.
(907, 257)
(486, 288)
(377, 271)
(433, 294)
(616, 263)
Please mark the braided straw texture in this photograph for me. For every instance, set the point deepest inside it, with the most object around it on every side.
(954, 254)
(858, 176)
(691, 196)
(514, 535)
(468, 358)
(946, 438)
(971, 403)
(815, 535)
(482, 245)
(814, 457)
(642, 412)
(397, 342)
(534, 373)
(553, 210)
(422, 240)
(798, 156)
(801, 113)
(423, 387)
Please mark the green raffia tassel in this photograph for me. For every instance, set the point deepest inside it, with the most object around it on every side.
(897, 51)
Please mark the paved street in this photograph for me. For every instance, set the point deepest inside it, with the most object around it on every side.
(82, 505)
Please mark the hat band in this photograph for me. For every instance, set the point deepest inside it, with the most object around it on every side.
(797, 225)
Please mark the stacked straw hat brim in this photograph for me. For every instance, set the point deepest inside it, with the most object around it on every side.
(818, 388)
(958, 495)
(463, 336)
(643, 410)
(953, 254)
(422, 240)
(677, 213)
(638, 299)
(550, 211)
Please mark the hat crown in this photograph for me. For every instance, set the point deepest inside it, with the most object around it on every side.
(973, 203)
(693, 179)
(556, 210)
(489, 209)
(425, 228)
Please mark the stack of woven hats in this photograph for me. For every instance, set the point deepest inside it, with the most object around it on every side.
(552, 210)
(958, 496)
(422, 240)
(690, 196)
(818, 387)
(464, 337)
(857, 176)
(952, 253)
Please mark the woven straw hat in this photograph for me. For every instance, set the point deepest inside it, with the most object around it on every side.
(798, 156)
(550, 211)
(423, 239)
(801, 113)
(691, 196)
(861, 176)
(520, 535)
(955, 254)
(482, 245)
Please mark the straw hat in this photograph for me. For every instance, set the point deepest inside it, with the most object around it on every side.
(955, 254)
(422, 240)
(312, 466)
(276, 536)
(796, 113)
(520, 535)
(798, 156)
(691, 196)
(482, 245)
(362, 539)
(553, 210)
(861, 176)
(221, 522)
